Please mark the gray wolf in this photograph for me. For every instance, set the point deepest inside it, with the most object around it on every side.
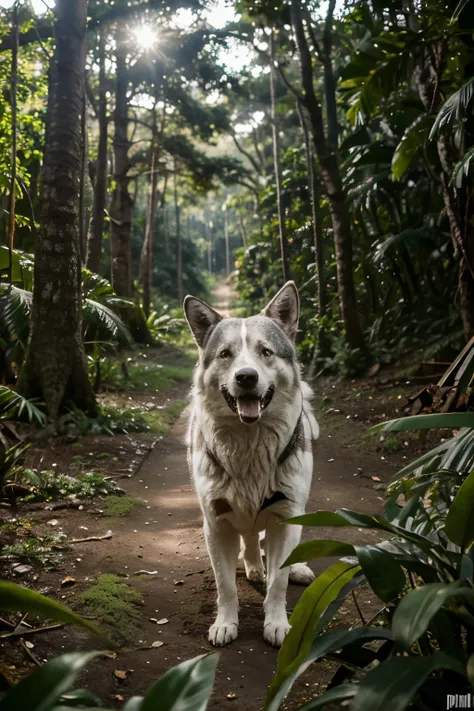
(249, 451)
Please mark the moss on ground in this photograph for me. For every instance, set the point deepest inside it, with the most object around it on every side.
(161, 420)
(112, 603)
(120, 505)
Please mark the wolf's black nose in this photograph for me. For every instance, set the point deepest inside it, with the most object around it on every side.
(246, 378)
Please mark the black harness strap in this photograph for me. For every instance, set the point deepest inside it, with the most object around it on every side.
(292, 444)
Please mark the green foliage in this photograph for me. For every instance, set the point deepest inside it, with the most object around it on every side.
(50, 688)
(15, 598)
(15, 406)
(43, 550)
(120, 505)
(112, 603)
(49, 485)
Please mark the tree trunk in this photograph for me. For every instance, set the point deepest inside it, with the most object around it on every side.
(146, 261)
(55, 366)
(96, 227)
(179, 245)
(313, 192)
(122, 204)
(14, 87)
(331, 176)
(227, 246)
(276, 160)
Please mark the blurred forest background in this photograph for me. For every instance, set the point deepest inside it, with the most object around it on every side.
(330, 143)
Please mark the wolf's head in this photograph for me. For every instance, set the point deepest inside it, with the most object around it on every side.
(245, 363)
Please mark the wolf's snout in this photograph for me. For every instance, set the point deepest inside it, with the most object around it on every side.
(246, 378)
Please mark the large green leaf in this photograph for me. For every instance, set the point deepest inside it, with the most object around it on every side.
(384, 574)
(450, 420)
(413, 139)
(343, 517)
(392, 685)
(322, 645)
(309, 550)
(459, 526)
(416, 609)
(186, 687)
(454, 108)
(14, 598)
(305, 620)
(40, 690)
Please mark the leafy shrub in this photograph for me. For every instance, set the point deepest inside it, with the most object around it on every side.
(418, 649)
(186, 686)
(49, 485)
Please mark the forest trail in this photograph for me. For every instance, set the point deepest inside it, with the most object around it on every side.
(164, 536)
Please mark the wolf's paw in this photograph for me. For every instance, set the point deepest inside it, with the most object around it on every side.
(220, 635)
(301, 574)
(255, 574)
(275, 632)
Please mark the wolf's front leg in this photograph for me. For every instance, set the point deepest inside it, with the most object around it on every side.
(279, 542)
(223, 545)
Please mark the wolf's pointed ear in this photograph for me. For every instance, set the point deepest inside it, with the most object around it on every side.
(201, 318)
(284, 308)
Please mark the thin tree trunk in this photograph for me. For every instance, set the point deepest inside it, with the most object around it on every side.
(227, 247)
(14, 85)
(331, 176)
(243, 230)
(55, 366)
(179, 245)
(313, 192)
(146, 261)
(82, 186)
(122, 204)
(276, 160)
(96, 227)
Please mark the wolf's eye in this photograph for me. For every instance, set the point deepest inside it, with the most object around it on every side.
(266, 352)
(225, 353)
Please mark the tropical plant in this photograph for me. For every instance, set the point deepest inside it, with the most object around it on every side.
(49, 688)
(411, 651)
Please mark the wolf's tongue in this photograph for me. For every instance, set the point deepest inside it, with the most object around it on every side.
(248, 409)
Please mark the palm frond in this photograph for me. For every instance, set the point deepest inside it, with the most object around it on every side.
(99, 314)
(413, 139)
(409, 235)
(15, 406)
(462, 168)
(15, 309)
(453, 108)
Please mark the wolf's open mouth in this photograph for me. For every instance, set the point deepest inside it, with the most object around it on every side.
(248, 407)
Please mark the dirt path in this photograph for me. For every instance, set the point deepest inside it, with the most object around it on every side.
(163, 536)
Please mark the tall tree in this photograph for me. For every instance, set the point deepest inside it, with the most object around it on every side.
(331, 176)
(122, 203)
(146, 259)
(55, 366)
(276, 160)
(99, 170)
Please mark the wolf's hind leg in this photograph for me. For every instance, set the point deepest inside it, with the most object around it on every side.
(252, 556)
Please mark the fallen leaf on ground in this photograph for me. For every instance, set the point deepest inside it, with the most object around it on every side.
(179, 582)
(120, 674)
(145, 572)
(376, 478)
(118, 697)
(110, 655)
(68, 581)
(157, 644)
(28, 644)
(231, 697)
